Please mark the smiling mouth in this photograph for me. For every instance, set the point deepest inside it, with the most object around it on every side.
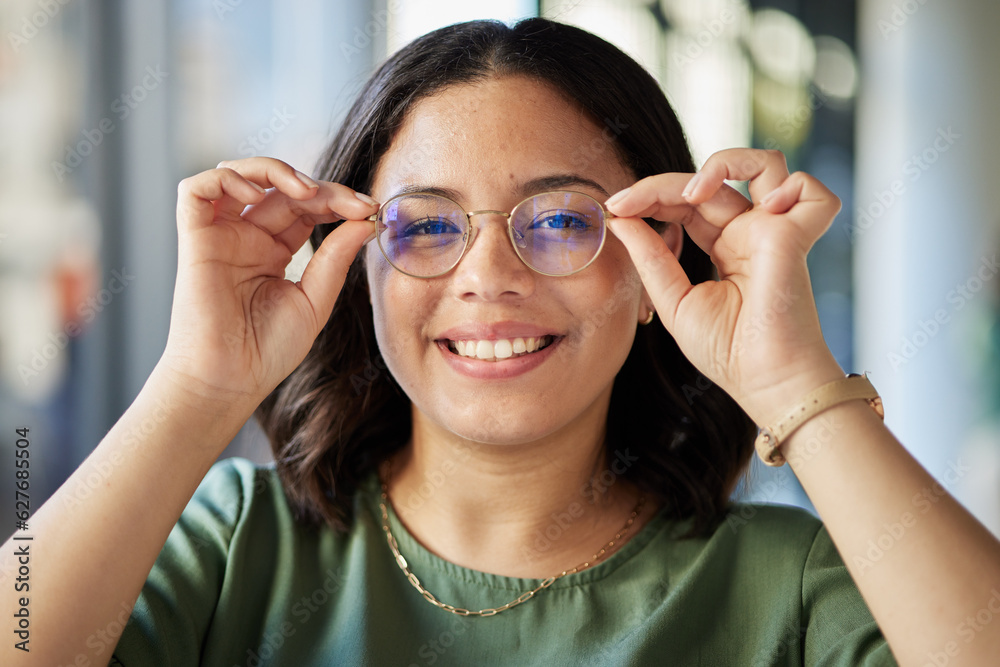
(498, 350)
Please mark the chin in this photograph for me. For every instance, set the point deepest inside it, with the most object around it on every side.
(496, 427)
(489, 431)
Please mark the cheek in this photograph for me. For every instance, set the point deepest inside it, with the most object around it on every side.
(400, 308)
(621, 288)
(377, 272)
(605, 307)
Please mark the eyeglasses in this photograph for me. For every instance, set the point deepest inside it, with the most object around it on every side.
(554, 233)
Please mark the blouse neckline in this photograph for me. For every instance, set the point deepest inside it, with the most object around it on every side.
(422, 560)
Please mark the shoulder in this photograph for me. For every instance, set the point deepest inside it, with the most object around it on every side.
(233, 492)
(237, 528)
(232, 484)
(788, 552)
(781, 531)
(783, 543)
(777, 539)
(237, 476)
(766, 522)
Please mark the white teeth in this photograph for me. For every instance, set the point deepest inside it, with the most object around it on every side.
(501, 349)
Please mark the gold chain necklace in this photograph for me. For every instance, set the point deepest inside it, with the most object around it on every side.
(524, 597)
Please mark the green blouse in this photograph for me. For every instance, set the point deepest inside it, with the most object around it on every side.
(239, 582)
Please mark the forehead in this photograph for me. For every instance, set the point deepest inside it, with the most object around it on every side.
(501, 133)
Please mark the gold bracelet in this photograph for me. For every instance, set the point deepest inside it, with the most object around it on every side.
(831, 394)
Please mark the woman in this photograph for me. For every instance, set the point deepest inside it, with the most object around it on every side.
(513, 438)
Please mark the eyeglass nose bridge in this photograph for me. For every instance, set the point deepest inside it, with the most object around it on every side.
(504, 214)
(515, 236)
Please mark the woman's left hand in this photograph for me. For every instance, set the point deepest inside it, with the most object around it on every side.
(755, 332)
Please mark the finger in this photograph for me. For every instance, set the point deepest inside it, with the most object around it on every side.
(765, 169)
(660, 197)
(661, 273)
(273, 173)
(805, 201)
(293, 237)
(270, 172)
(324, 275)
(331, 202)
(196, 196)
(228, 207)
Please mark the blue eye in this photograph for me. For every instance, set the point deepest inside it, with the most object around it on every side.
(430, 226)
(561, 220)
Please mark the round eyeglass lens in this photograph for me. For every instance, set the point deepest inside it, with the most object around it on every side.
(558, 233)
(422, 235)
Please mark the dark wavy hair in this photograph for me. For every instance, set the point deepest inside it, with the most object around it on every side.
(341, 412)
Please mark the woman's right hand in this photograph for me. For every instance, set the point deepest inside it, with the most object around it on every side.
(237, 326)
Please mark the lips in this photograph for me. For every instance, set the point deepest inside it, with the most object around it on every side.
(499, 349)
(508, 347)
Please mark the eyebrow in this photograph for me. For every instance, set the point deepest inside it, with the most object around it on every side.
(534, 186)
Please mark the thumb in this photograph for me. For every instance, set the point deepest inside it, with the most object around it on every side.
(662, 275)
(327, 269)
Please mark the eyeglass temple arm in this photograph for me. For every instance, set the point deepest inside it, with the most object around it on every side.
(371, 237)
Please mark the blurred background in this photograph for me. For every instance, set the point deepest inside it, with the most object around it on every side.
(106, 106)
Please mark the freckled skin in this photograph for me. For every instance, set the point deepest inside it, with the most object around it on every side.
(485, 141)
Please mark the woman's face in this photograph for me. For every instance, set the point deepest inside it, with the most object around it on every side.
(491, 145)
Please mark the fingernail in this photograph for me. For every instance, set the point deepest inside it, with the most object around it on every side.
(617, 197)
(310, 183)
(257, 187)
(769, 196)
(692, 184)
(366, 199)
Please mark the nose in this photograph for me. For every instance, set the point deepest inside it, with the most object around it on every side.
(490, 269)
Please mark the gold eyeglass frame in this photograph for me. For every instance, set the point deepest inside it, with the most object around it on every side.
(471, 234)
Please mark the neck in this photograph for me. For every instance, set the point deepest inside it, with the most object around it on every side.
(524, 510)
